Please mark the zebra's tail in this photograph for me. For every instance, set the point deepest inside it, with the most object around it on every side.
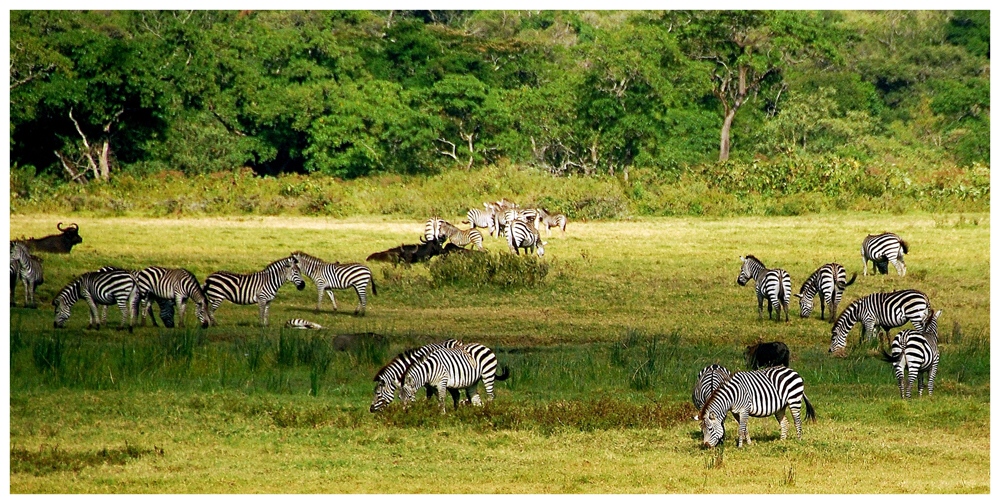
(504, 375)
(810, 411)
(905, 246)
(849, 282)
(374, 292)
(892, 358)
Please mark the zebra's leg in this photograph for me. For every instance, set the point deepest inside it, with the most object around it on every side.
(911, 375)
(94, 318)
(930, 377)
(362, 299)
(782, 422)
(264, 308)
(442, 390)
(898, 368)
(760, 307)
(865, 262)
(319, 298)
(475, 400)
(104, 315)
(797, 418)
(181, 308)
(741, 435)
(455, 395)
(920, 383)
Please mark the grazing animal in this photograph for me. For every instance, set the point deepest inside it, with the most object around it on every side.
(260, 287)
(915, 353)
(885, 247)
(775, 285)
(297, 323)
(443, 368)
(829, 282)
(522, 236)
(330, 276)
(409, 254)
(485, 219)
(758, 393)
(170, 287)
(27, 268)
(883, 309)
(390, 377)
(760, 355)
(57, 244)
(550, 221)
(462, 237)
(710, 378)
(109, 287)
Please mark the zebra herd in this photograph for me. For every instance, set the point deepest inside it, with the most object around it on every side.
(520, 227)
(770, 391)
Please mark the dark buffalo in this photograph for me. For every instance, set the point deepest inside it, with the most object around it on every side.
(409, 254)
(761, 355)
(57, 244)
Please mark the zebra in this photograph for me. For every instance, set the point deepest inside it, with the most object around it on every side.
(775, 285)
(710, 378)
(109, 287)
(486, 219)
(882, 248)
(915, 353)
(259, 287)
(444, 368)
(330, 276)
(432, 229)
(390, 377)
(829, 282)
(462, 237)
(522, 236)
(27, 268)
(550, 221)
(168, 287)
(297, 323)
(883, 309)
(758, 393)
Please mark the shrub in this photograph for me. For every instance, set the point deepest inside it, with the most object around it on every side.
(481, 269)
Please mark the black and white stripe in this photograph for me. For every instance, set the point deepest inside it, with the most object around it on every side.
(520, 235)
(775, 285)
(297, 323)
(915, 353)
(829, 282)
(758, 393)
(883, 309)
(28, 269)
(390, 377)
(710, 378)
(330, 276)
(485, 219)
(443, 368)
(260, 287)
(106, 288)
(170, 287)
(550, 221)
(882, 248)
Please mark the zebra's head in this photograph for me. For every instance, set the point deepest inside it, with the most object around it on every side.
(408, 392)
(713, 428)
(293, 273)
(838, 333)
(384, 394)
(63, 304)
(748, 270)
(805, 305)
(540, 248)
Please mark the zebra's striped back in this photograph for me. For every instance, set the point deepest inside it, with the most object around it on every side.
(758, 393)
(443, 368)
(885, 247)
(390, 377)
(828, 282)
(329, 276)
(883, 310)
(485, 219)
(522, 236)
(915, 353)
(710, 378)
(774, 285)
(260, 287)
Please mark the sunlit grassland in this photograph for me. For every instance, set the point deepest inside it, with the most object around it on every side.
(602, 354)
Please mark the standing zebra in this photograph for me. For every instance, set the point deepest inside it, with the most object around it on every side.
(462, 237)
(169, 287)
(260, 287)
(915, 353)
(829, 282)
(114, 286)
(759, 393)
(550, 221)
(330, 276)
(883, 309)
(485, 219)
(775, 285)
(885, 247)
(390, 377)
(710, 378)
(443, 368)
(27, 268)
(522, 236)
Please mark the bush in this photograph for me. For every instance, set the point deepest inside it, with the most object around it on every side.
(479, 269)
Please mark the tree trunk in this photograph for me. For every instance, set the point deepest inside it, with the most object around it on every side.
(727, 124)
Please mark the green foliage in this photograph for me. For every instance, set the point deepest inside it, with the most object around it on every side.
(482, 269)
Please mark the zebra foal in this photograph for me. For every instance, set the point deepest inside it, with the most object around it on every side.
(28, 269)
(882, 309)
(828, 282)
(107, 287)
(260, 287)
(330, 276)
(775, 285)
(882, 248)
(915, 353)
(760, 393)
(520, 235)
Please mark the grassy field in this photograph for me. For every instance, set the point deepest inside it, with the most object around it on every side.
(603, 353)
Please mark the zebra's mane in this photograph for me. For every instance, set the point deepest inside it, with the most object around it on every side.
(750, 256)
(409, 354)
(812, 278)
(711, 397)
(307, 256)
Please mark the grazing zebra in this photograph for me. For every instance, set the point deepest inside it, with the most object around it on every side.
(485, 219)
(710, 378)
(550, 221)
(775, 285)
(758, 393)
(330, 276)
(390, 377)
(829, 282)
(168, 287)
(883, 309)
(27, 268)
(443, 368)
(882, 248)
(260, 287)
(915, 353)
(109, 287)
(522, 236)
(297, 323)
(462, 237)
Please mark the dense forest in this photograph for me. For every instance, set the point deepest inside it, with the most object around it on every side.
(356, 93)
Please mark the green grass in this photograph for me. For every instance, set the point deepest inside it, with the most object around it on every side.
(603, 352)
